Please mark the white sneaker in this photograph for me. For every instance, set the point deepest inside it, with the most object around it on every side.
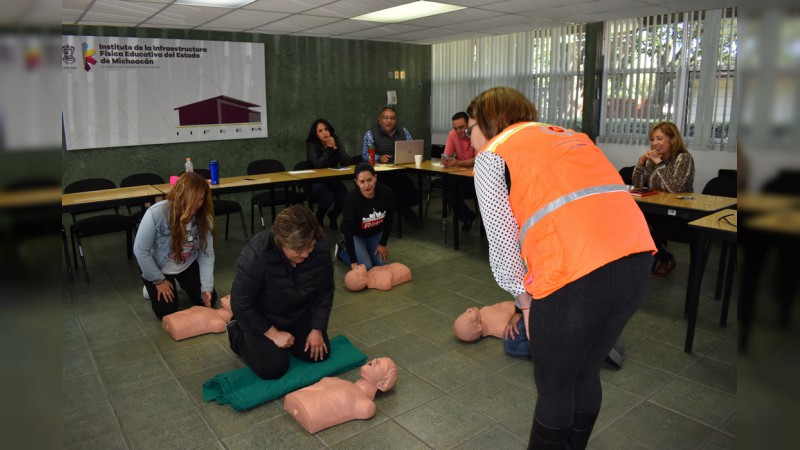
(338, 248)
(144, 293)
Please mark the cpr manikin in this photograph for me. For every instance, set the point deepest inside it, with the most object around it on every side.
(379, 277)
(487, 321)
(333, 401)
(198, 320)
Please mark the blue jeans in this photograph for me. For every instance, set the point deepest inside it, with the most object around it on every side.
(519, 346)
(365, 251)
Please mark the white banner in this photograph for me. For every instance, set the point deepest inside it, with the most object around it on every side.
(135, 91)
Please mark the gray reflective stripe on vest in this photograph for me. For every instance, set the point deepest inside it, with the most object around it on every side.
(561, 201)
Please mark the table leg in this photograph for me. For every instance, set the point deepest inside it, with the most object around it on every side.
(444, 208)
(693, 287)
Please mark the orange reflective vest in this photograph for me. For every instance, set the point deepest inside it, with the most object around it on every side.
(573, 210)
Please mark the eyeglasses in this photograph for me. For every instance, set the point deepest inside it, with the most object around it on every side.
(468, 131)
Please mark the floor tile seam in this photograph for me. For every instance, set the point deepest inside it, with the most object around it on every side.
(624, 390)
(393, 419)
(713, 388)
(451, 399)
(167, 415)
(226, 351)
(693, 419)
(640, 400)
(371, 426)
(656, 368)
(680, 345)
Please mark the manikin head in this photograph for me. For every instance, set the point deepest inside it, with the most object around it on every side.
(356, 279)
(467, 326)
(381, 372)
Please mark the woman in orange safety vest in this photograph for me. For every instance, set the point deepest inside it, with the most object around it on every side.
(568, 241)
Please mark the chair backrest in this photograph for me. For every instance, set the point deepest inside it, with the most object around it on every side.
(302, 165)
(786, 182)
(205, 173)
(436, 151)
(260, 166)
(356, 159)
(141, 179)
(32, 183)
(89, 184)
(722, 186)
(627, 174)
(728, 173)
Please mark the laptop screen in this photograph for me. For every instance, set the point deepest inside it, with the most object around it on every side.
(404, 151)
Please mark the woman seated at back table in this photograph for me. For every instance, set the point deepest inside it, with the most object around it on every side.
(666, 167)
(323, 149)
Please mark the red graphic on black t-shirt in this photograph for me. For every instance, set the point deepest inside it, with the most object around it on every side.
(373, 220)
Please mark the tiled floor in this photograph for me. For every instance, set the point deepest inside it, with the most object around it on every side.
(127, 384)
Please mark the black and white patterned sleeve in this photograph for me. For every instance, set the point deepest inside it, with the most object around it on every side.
(501, 226)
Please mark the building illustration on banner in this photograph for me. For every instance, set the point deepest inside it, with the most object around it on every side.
(219, 110)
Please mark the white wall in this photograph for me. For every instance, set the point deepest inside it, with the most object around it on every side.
(706, 162)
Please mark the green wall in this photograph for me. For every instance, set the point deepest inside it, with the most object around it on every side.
(344, 81)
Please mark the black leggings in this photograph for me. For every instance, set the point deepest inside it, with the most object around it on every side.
(190, 283)
(572, 331)
(266, 359)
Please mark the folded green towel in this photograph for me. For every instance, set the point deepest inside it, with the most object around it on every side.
(243, 389)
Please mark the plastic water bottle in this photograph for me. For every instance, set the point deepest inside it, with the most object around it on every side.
(189, 166)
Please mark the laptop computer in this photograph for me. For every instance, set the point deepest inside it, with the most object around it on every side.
(404, 151)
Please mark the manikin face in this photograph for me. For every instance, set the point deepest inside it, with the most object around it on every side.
(298, 256)
(366, 183)
(388, 120)
(661, 143)
(377, 372)
(475, 135)
(322, 132)
(460, 125)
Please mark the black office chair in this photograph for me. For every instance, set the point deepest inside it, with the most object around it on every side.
(727, 173)
(38, 222)
(627, 174)
(224, 207)
(356, 159)
(304, 188)
(96, 224)
(140, 179)
(436, 182)
(723, 186)
(282, 196)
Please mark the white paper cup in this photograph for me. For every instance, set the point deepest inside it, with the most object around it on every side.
(418, 160)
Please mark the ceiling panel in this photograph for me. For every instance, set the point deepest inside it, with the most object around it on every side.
(243, 19)
(332, 18)
(181, 15)
(286, 6)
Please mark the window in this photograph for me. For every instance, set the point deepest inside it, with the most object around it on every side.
(676, 67)
(545, 65)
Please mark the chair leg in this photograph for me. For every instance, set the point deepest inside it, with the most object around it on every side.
(252, 218)
(74, 248)
(66, 254)
(261, 215)
(129, 236)
(729, 276)
(244, 226)
(83, 260)
(227, 221)
(721, 274)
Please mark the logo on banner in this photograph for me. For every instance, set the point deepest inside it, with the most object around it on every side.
(88, 57)
(68, 54)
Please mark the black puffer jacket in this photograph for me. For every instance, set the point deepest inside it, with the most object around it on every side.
(268, 291)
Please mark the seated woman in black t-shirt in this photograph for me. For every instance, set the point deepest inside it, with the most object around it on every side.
(367, 220)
